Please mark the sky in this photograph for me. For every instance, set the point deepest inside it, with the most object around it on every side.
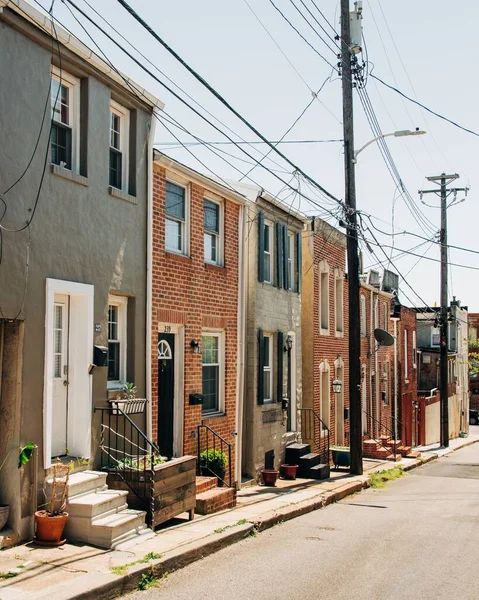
(255, 59)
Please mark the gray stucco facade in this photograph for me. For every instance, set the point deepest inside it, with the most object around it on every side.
(80, 233)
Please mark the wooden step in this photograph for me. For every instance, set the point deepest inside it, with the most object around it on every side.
(320, 471)
(306, 462)
(203, 484)
(293, 452)
(214, 500)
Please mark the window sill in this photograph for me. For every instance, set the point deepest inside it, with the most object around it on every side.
(217, 268)
(176, 256)
(212, 415)
(339, 334)
(121, 195)
(115, 390)
(70, 175)
(324, 332)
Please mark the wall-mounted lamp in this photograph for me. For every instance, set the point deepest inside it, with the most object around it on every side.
(289, 344)
(196, 346)
(337, 386)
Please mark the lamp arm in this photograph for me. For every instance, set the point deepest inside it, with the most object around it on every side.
(379, 137)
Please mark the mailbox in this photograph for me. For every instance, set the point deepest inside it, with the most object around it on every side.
(196, 399)
(100, 356)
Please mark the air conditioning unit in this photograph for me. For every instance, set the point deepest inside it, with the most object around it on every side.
(373, 278)
(390, 281)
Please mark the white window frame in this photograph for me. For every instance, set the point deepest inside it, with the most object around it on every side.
(406, 356)
(291, 261)
(435, 331)
(184, 251)
(122, 303)
(414, 350)
(220, 335)
(362, 315)
(338, 302)
(323, 296)
(268, 369)
(124, 115)
(73, 84)
(220, 235)
(269, 253)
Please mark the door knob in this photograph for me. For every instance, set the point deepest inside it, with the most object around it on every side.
(65, 382)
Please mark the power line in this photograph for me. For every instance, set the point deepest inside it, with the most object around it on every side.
(216, 94)
(281, 141)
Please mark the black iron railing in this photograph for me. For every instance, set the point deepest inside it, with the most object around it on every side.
(214, 456)
(315, 432)
(382, 427)
(127, 453)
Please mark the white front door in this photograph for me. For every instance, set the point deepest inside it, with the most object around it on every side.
(61, 319)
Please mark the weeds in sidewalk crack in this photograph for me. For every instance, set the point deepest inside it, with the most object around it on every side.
(223, 529)
(381, 478)
(123, 569)
(150, 580)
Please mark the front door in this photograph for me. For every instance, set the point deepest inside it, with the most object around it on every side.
(166, 392)
(339, 420)
(61, 320)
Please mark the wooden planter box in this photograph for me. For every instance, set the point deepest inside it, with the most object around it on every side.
(175, 489)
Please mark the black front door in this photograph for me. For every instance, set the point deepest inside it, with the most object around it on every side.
(166, 392)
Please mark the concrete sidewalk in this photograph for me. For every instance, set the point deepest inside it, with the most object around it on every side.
(79, 571)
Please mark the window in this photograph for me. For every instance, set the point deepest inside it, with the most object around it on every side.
(212, 227)
(323, 298)
(291, 262)
(414, 351)
(362, 310)
(435, 336)
(267, 368)
(338, 301)
(119, 125)
(175, 225)
(212, 372)
(116, 340)
(268, 250)
(406, 355)
(64, 105)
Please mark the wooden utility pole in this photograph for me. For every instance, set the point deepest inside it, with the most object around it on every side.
(443, 180)
(356, 443)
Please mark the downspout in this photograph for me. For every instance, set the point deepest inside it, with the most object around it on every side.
(371, 353)
(241, 338)
(377, 377)
(149, 277)
(395, 428)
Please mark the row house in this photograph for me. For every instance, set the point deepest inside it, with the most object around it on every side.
(273, 357)
(325, 324)
(198, 305)
(73, 283)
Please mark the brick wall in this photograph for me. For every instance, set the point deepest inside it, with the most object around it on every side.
(195, 295)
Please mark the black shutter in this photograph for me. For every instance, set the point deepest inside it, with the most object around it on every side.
(287, 282)
(280, 366)
(299, 260)
(260, 245)
(279, 255)
(260, 367)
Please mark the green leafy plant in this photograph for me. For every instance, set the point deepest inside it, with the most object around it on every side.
(24, 455)
(380, 478)
(213, 459)
(145, 462)
(149, 580)
(128, 392)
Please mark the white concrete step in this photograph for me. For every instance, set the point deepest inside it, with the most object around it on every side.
(81, 483)
(97, 503)
(106, 531)
(130, 540)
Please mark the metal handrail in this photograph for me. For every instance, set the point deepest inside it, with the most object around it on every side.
(210, 440)
(381, 425)
(321, 435)
(127, 452)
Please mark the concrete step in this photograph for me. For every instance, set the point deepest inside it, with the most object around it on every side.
(96, 503)
(306, 462)
(115, 528)
(293, 452)
(215, 500)
(81, 483)
(203, 484)
(143, 534)
(320, 471)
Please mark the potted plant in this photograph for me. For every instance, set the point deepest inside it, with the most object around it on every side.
(288, 471)
(214, 462)
(127, 402)
(50, 522)
(270, 477)
(341, 456)
(23, 457)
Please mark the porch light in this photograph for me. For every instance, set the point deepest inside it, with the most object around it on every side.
(196, 346)
(337, 386)
(289, 343)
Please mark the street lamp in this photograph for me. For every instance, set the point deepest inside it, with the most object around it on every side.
(400, 133)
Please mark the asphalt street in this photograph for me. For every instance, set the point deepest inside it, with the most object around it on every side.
(415, 539)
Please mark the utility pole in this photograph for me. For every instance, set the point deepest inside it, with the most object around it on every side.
(443, 180)
(356, 447)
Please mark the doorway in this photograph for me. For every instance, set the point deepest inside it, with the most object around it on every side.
(67, 410)
(166, 392)
(339, 404)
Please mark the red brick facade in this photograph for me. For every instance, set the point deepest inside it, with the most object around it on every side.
(407, 377)
(190, 295)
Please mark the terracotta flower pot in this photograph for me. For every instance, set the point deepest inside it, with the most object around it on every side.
(4, 512)
(270, 476)
(49, 530)
(289, 471)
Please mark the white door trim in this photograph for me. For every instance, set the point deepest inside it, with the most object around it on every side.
(80, 354)
(178, 405)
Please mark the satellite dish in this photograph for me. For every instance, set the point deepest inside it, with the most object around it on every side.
(383, 338)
